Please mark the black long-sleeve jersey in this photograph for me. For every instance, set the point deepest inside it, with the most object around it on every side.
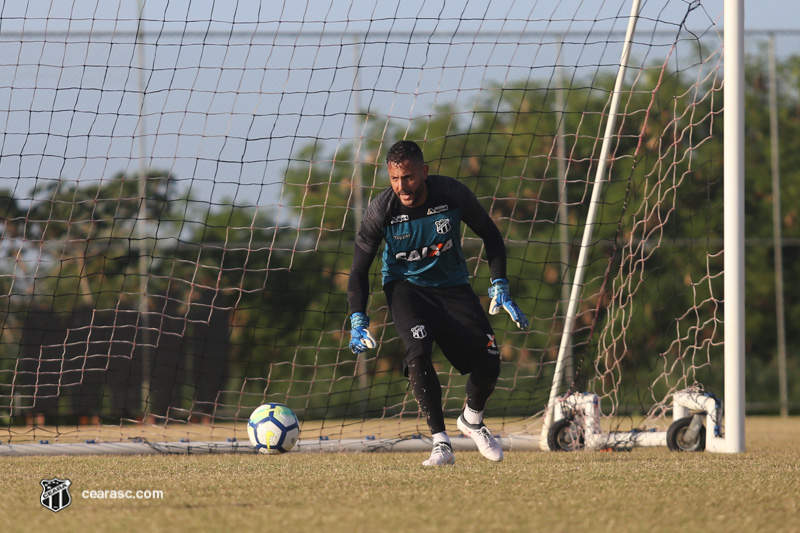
(423, 244)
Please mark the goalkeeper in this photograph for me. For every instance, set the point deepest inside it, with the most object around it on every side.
(426, 283)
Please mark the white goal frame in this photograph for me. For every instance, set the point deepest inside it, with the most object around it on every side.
(733, 441)
(733, 399)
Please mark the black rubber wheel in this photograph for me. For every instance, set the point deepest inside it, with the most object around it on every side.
(565, 436)
(677, 432)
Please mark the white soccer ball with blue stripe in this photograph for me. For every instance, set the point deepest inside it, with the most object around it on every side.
(273, 428)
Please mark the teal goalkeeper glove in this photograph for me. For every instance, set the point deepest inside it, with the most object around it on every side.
(501, 300)
(361, 339)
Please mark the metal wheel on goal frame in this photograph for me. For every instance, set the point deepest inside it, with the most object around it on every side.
(566, 435)
(682, 438)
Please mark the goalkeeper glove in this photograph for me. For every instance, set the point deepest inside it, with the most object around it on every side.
(501, 300)
(361, 339)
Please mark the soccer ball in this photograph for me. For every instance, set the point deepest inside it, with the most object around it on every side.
(273, 428)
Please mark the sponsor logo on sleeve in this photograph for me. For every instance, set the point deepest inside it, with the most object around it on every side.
(437, 209)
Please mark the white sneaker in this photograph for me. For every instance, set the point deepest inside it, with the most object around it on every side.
(442, 454)
(488, 447)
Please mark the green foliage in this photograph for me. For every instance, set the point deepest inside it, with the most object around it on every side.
(761, 334)
(283, 274)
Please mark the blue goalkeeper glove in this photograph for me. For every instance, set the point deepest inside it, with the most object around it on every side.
(501, 300)
(361, 339)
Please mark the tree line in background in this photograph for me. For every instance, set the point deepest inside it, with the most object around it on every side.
(246, 302)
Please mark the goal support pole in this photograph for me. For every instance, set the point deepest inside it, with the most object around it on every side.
(583, 256)
(733, 154)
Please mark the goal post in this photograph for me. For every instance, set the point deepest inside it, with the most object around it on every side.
(734, 226)
(181, 185)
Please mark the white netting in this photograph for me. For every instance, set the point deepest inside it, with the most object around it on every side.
(256, 137)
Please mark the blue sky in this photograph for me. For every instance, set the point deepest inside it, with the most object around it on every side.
(772, 14)
(207, 126)
(759, 14)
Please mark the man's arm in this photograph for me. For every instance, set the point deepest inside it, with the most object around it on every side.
(358, 283)
(367, 242)
(478, 219)
(361, 339)
(495, 247)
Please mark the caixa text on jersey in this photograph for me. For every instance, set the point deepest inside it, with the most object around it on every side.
(431, 250)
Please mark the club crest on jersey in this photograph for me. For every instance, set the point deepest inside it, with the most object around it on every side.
(431, 250)
(55, 494)
(442, 226)
(419, 332)
(437, 209)
(398, 219)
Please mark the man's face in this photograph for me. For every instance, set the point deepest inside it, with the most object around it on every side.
(408, 182)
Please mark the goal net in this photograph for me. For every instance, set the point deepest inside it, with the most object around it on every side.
(180, 190)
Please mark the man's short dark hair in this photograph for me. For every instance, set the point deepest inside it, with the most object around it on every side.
(405, 151)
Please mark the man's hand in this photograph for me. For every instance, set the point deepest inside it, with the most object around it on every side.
(361, 339)
(502, 300)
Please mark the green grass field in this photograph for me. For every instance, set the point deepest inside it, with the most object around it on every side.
(646, 490)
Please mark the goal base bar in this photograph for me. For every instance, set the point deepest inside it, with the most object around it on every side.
(408, 444)
(626, 440)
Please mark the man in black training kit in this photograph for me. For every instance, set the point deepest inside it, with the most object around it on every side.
(426, 282)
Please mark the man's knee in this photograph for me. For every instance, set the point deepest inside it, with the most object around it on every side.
(486, 371)
(417, 363)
